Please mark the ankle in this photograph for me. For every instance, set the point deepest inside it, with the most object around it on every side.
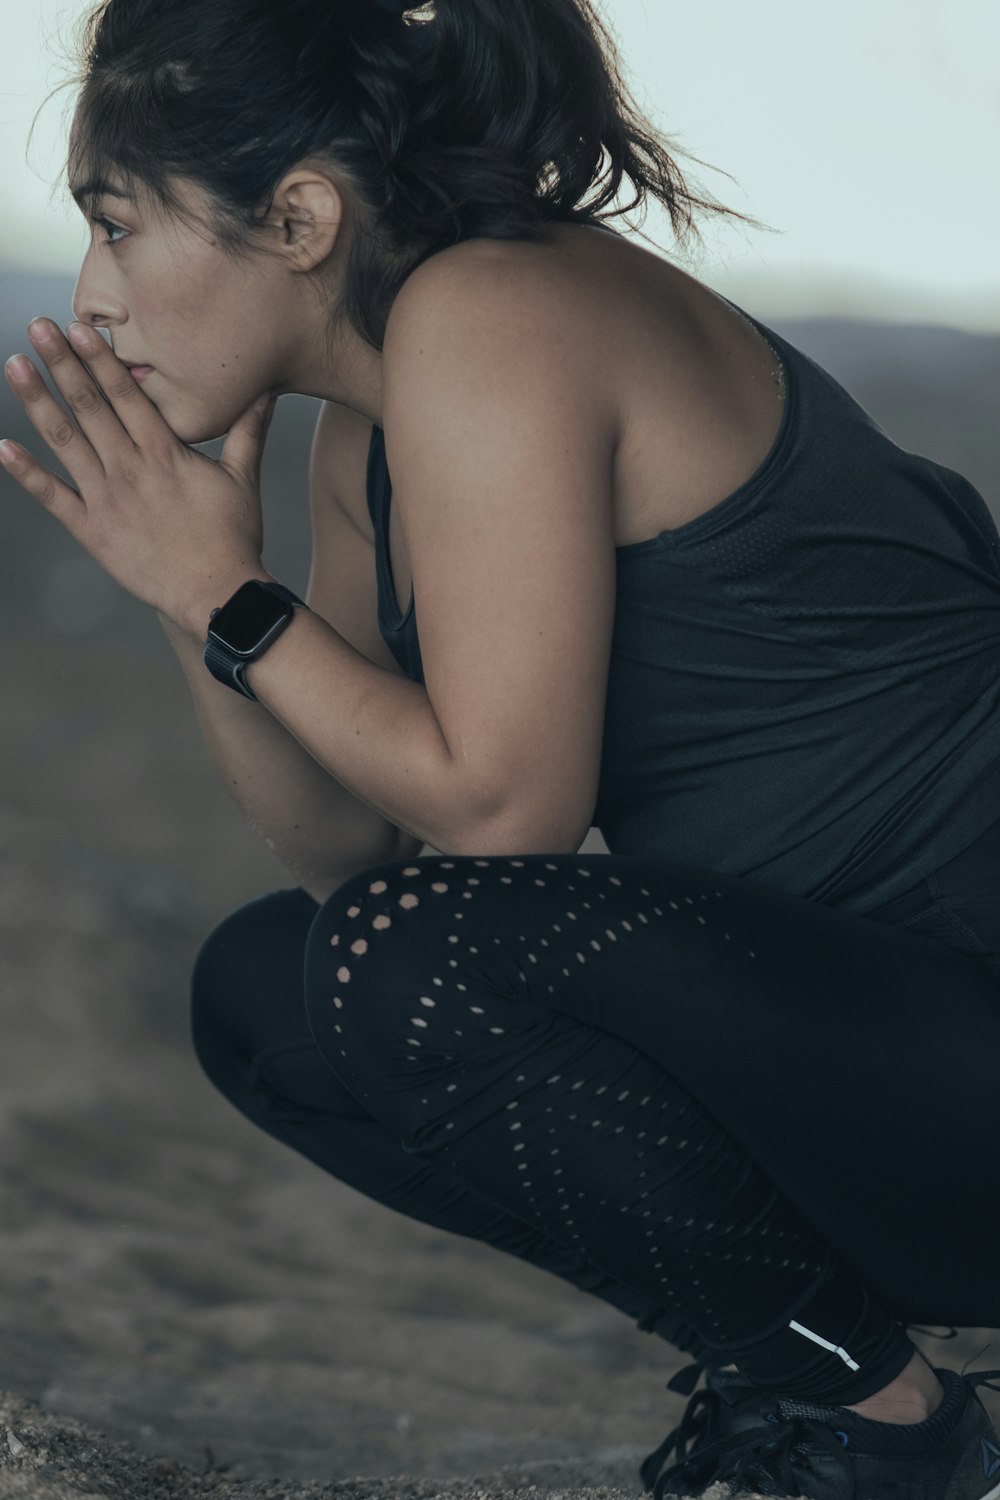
(914, 1395)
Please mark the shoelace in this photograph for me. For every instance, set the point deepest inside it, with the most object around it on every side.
(755, 1457)
(701, 1417)
(741, 1454)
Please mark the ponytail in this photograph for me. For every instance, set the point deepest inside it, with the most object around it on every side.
(454, 120)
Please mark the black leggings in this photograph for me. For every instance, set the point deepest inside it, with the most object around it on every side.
(759, 1126)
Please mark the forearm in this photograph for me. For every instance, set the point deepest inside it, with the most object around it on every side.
(313, 825)
(374, 731)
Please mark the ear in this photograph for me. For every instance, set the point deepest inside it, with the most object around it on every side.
(308, 211)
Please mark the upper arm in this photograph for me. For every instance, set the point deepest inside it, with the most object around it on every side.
(343, 588)
(501, 460)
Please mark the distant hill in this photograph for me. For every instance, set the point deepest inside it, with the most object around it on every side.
(98, 714)
(935, 390)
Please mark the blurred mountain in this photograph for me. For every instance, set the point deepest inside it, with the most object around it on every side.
(98, 713)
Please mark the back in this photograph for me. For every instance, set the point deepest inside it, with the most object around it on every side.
(803, 685)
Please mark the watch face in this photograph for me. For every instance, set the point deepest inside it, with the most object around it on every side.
(249, 617)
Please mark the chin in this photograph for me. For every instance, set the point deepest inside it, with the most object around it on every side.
(193, 434)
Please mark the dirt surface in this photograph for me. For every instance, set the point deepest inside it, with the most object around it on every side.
(191, 1308)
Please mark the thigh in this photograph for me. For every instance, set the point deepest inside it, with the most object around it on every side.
(959, 903)
(852, 1059)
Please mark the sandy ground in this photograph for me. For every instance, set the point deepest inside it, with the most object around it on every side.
(175, 1280)
(189, 1308)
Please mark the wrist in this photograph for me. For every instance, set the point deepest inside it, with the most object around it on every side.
(195, 618)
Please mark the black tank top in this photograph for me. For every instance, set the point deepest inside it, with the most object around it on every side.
(804, 685)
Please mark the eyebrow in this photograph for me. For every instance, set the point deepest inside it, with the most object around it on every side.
(96, 188)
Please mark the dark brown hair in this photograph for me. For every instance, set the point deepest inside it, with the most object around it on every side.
(456, 120)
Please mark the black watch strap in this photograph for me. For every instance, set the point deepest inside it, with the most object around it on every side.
(227, 668)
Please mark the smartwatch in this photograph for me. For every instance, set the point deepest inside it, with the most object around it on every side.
(243, 628)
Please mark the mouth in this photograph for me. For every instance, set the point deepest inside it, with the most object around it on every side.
(139, 371)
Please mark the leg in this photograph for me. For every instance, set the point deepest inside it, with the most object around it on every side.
(721, 1030)
(251, 1037)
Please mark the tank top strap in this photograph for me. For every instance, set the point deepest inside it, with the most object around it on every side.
(377, 480)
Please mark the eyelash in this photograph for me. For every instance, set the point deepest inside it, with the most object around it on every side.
(107, 226)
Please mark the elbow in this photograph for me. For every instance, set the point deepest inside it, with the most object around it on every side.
(517, 830)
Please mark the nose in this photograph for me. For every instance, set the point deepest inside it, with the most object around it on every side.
(93, 301)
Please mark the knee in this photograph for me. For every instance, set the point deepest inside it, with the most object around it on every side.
(369, 942)
(363, 916)
(247, 983)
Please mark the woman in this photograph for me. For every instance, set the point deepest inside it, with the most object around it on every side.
(735, 1077)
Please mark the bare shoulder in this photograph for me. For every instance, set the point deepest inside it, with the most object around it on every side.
(487, 310)
(485, 278)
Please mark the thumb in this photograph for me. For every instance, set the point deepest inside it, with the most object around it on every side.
(244, 445)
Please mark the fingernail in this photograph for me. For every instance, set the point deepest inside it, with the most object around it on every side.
(81, 336)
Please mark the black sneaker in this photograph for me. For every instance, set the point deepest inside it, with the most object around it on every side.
(782, 1445)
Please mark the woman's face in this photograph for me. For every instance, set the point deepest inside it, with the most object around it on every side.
(218, 333)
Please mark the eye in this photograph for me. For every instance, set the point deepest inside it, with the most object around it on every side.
(109, 229)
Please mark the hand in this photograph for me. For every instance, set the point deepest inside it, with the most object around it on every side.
(177, 529)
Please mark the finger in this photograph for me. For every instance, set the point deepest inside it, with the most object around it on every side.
(59, 498)
(83, 395)
(52, 424)
(133, 408)
(244, 446)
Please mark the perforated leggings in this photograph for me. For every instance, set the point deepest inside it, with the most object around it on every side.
(760, 1127)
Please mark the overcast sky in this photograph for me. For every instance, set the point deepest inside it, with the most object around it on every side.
(867, 133)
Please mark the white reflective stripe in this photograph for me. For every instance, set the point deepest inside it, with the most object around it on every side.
(834, 1348)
